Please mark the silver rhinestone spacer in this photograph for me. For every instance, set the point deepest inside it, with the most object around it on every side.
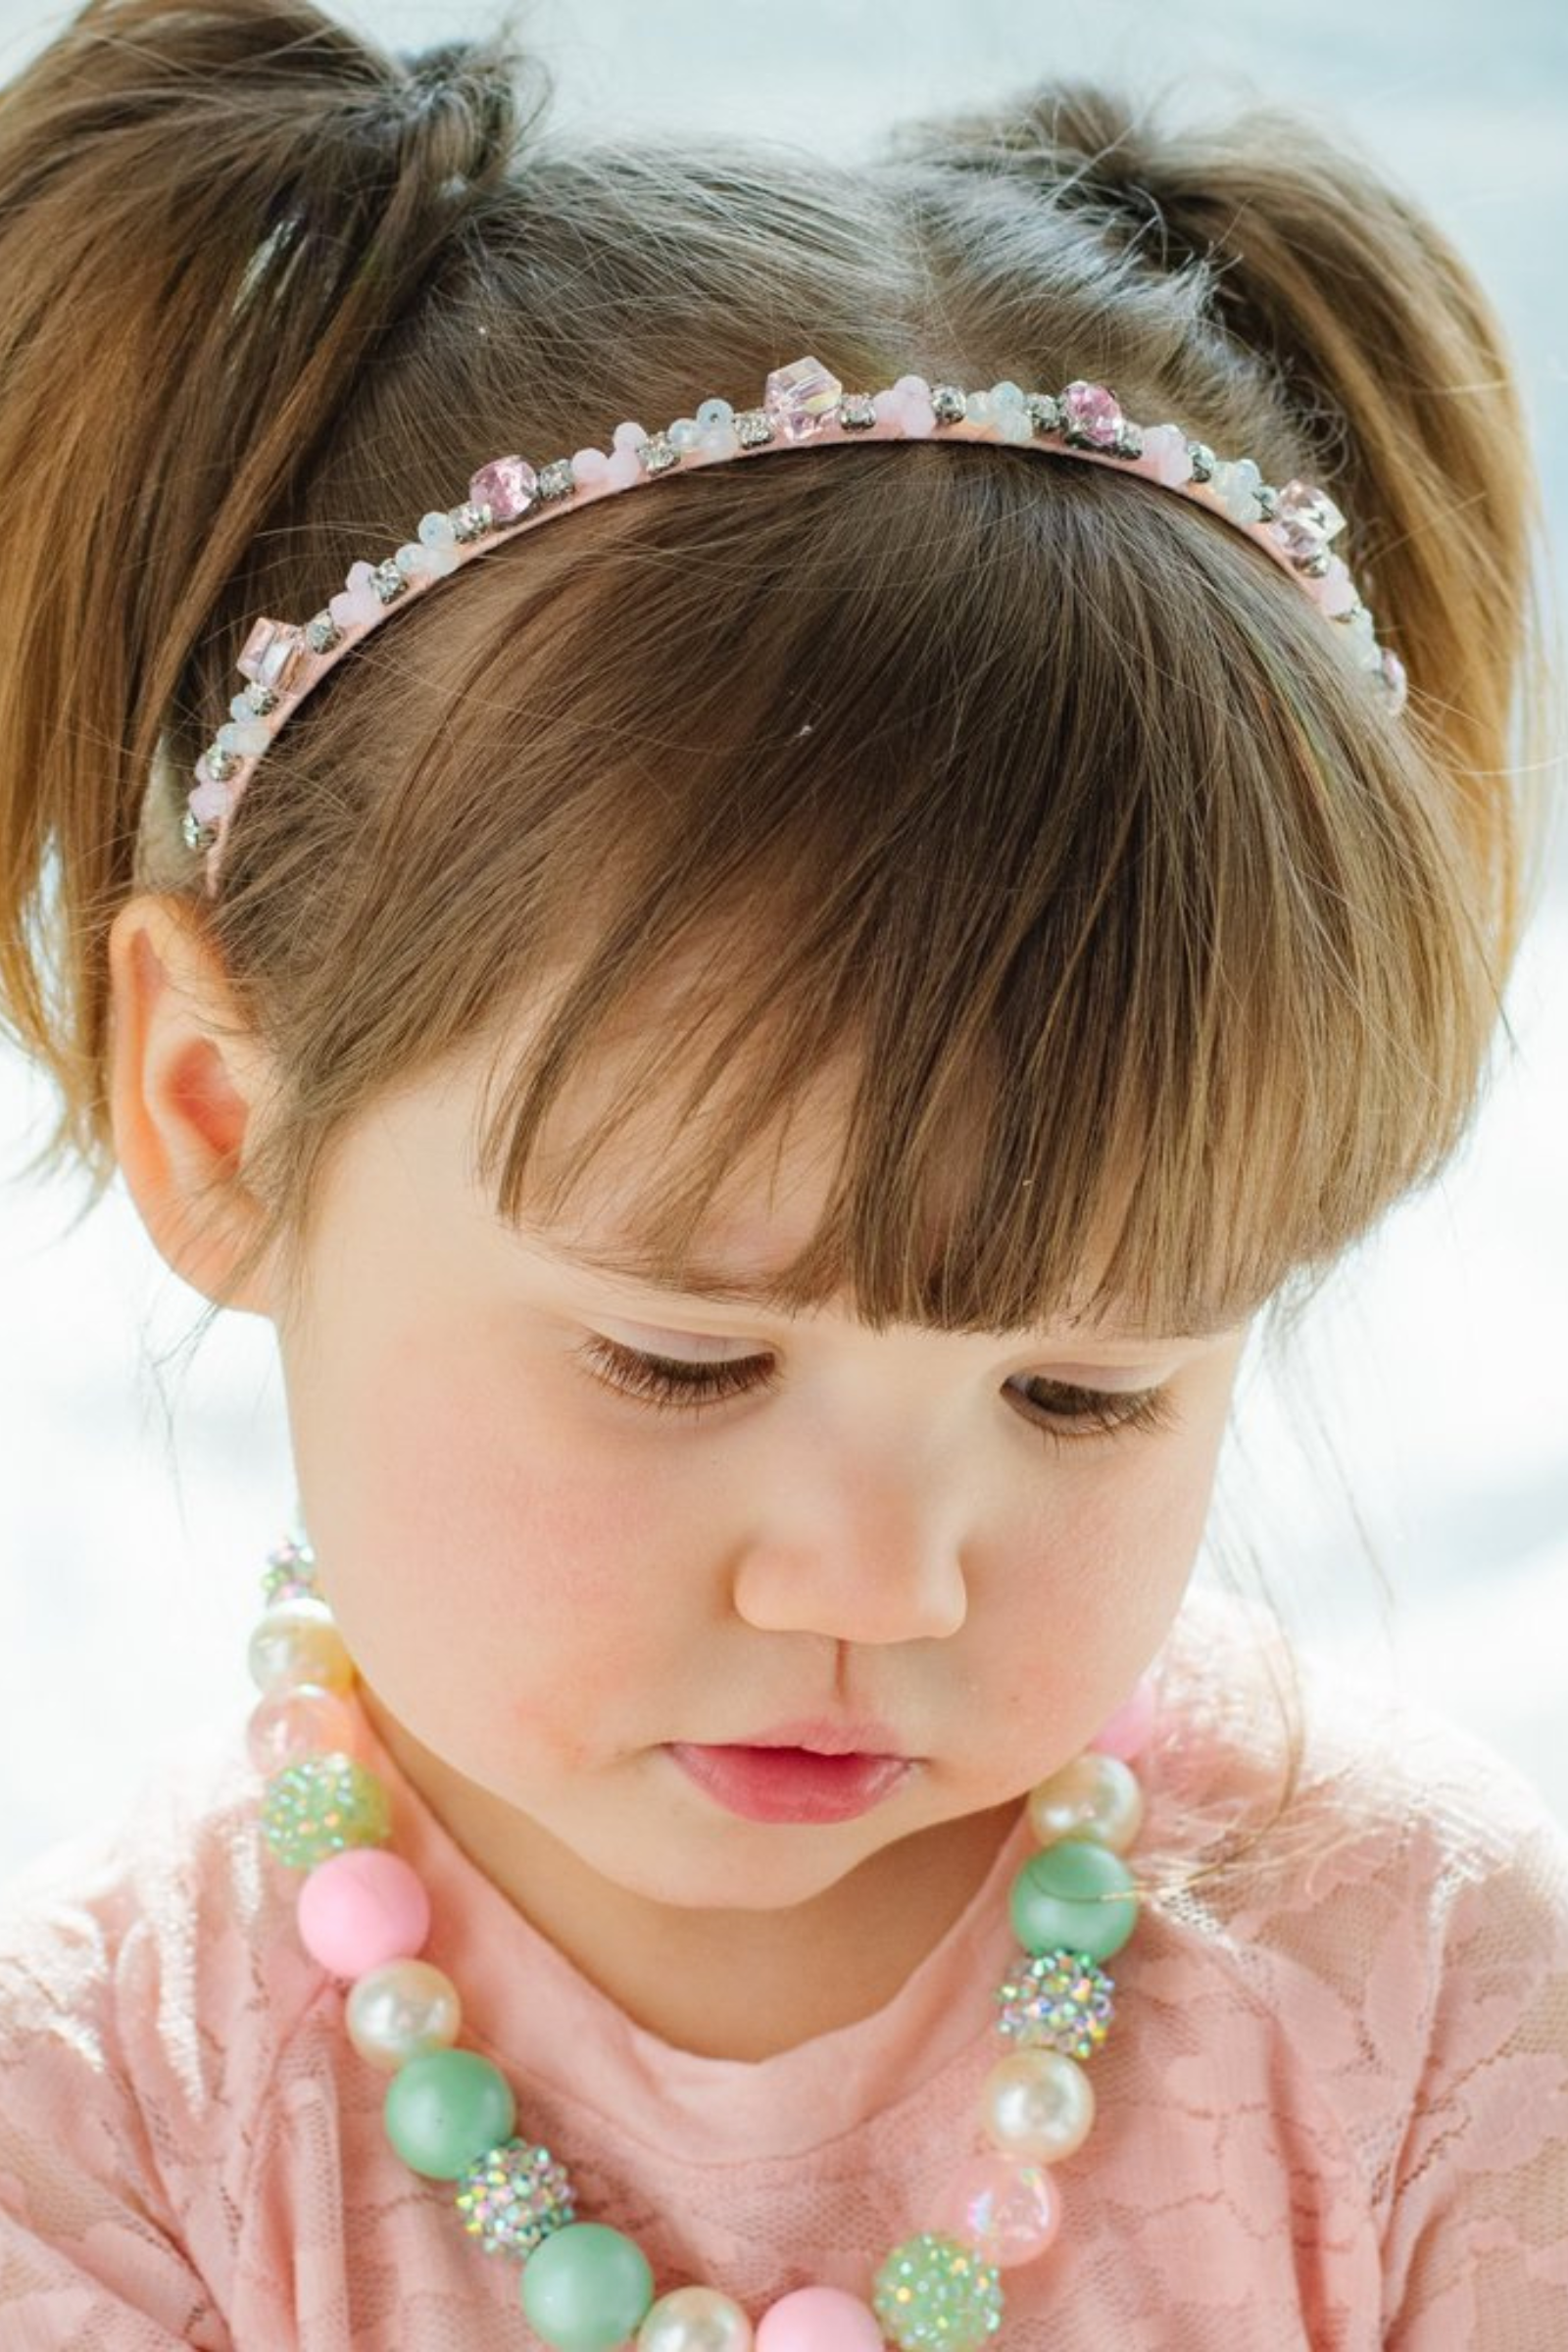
(197, 835)
(388, 583)
(1129, 441)
(856, 411)
(752, 428)
(1204, 461)
(948, 404)
(1268, 501)
(1314, 565)
(1045, 412)
(467, 521)
(260, 698)
(321, 633)
(658, 453)
(220, 763)
(555, 480)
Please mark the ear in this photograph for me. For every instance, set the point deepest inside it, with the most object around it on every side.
(185, 1096)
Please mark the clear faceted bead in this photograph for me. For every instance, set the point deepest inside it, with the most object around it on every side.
(800, 396)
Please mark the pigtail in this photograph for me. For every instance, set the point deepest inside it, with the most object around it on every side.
(209, 216)
(1386, 349)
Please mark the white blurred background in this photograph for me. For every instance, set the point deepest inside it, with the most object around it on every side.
(136, 1506)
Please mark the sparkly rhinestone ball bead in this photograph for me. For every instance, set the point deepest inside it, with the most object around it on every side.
(321, 1805)
(513, 2196)
(1057, 2001)
(934, 2295)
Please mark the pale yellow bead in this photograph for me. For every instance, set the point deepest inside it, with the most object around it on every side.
(401, 2010)
(297, 1641)
(1037, 2106)
(1094, 1797)
(695, 2319)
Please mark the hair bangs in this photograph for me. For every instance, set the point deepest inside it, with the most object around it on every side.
(1162, 1059)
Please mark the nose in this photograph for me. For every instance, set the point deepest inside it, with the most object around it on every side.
(854, 1554)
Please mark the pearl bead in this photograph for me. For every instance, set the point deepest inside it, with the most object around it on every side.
(1010, 2213)
(1037, 2105)
(402, 2011)
(695, 2319)
(1094, 1797)
(304, 1720)
(297, 1641)
(819, 2319)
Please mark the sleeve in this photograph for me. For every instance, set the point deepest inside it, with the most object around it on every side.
(91, 2254)
(1476, 2244)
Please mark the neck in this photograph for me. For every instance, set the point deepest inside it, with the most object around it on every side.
(719, 1984)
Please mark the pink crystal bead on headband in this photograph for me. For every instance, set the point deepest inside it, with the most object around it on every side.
(803, 406)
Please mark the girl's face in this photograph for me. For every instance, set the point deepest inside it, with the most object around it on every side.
(545, 1582)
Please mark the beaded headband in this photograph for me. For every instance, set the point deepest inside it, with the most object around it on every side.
(803, 407)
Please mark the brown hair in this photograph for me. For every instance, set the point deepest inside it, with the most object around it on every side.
(1028, 791)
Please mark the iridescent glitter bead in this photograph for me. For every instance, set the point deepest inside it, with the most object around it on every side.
(322, 1807)
(290, 1573)
(513, 2196)
(1059, 2000)
(933, 2291)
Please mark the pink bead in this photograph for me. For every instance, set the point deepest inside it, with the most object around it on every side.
(506, 486)
(589, 464)
(1131, 1727)
(302, 1720)
(819, 2319)
(1010, 2212)
(1165, 455)
(362, 1908)
(1094, 410)
(210, 802)
(1336, 591)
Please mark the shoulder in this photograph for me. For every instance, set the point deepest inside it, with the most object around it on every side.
(148, 1984)
(1396, 1940)
(125, 1951)
(1410, 1860)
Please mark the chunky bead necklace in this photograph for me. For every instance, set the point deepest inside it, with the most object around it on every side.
(451, 2115)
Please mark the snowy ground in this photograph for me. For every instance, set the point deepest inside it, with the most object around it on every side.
(134, 1519)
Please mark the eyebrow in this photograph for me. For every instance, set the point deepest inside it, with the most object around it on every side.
(720, 1286)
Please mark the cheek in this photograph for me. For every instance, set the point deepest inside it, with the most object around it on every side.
(1092, 1593)
(478, 1551)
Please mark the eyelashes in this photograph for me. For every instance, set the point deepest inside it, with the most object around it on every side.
(669, 1384)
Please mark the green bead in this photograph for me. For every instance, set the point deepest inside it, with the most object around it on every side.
(1063, 1899)
(936, 2292)
(320, 1805)
(445, 2108)
(587, 2288)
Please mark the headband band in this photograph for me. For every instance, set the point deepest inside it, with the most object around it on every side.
(803, 407)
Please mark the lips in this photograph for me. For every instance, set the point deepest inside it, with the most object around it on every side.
(787, 1784)
(826, 1736)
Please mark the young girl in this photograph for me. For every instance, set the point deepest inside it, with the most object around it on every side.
(763, 1050)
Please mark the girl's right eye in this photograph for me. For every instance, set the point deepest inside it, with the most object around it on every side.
(668, 1382)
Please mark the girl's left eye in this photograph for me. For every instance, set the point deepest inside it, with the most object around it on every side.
(666, 1381)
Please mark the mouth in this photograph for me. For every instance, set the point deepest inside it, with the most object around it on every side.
(777, 1782)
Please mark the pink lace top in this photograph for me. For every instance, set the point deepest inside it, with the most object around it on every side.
(1332, 2109)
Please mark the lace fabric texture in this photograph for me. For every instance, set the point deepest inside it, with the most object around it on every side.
(1332, 2112)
